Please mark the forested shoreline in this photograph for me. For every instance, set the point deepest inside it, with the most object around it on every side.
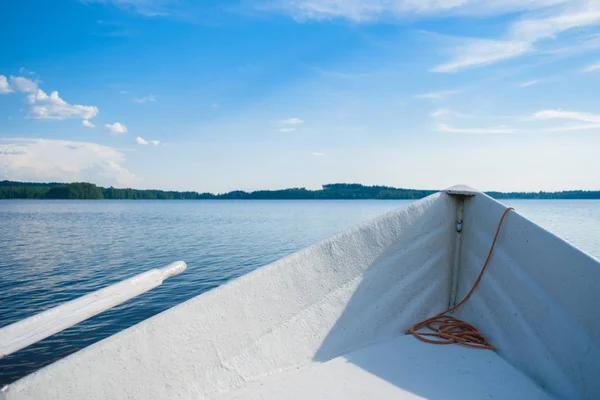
(335, 191)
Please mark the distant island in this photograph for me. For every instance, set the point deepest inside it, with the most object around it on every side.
(334, 191)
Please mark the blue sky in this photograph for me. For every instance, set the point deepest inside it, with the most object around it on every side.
(264, 94)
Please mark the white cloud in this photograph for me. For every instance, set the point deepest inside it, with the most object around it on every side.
(529, 83)
(590, 122)
(20, 84)
(123, 91)
(117, 127)
(23, 70)
(42, 106)
(566, 128)
(547, 27)
(317, 154)
(492, 130)
(142, 141)
(593, 67)
(545, 19)
(368, 10)
(437, 95)
(293, 121)
(150, 98)
(570, 115)
(440, 112)
(443, 112)
(46, 160)
(289, 124)
(87, 123)
(4, 86)
(521, 38)
(480, 52)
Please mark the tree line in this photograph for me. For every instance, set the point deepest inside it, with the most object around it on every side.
(334, 191)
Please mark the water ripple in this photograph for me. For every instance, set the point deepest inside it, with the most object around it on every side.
(55, 251)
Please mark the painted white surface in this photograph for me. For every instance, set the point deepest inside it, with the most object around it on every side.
(403, 368)
(290, 322)
(538, 302)
(31, 330)
(359, 287)
(462, 190)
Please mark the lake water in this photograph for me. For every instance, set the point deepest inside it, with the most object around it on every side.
(54, 251)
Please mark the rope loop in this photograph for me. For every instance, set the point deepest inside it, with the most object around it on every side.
(447, 329)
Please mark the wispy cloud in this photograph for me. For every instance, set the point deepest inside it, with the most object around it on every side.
(448, 112)
(24, 70)
(521, 37)
(586, 121)
(144, 142)
(146, 99)
(369, 10)
(579, 44)
(290, 124)
(87, 124)
(593, 67)
(484, 131)
(545, 19)
(117, 127)
(437, 95)
(480, 52)
(317, 154)
(293, 121)
(441, 112)
(566, 128)
(569, 115)
(62, 161)
(529, 83)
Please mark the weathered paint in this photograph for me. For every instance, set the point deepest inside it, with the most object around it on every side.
(31, 330)
(356, 288)
(539, 300)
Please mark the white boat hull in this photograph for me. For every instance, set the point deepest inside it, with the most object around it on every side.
(537, 303)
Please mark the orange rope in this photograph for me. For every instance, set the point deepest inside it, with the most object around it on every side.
(453, 330)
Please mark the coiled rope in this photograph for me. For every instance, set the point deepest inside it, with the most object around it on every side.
(448, 329)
